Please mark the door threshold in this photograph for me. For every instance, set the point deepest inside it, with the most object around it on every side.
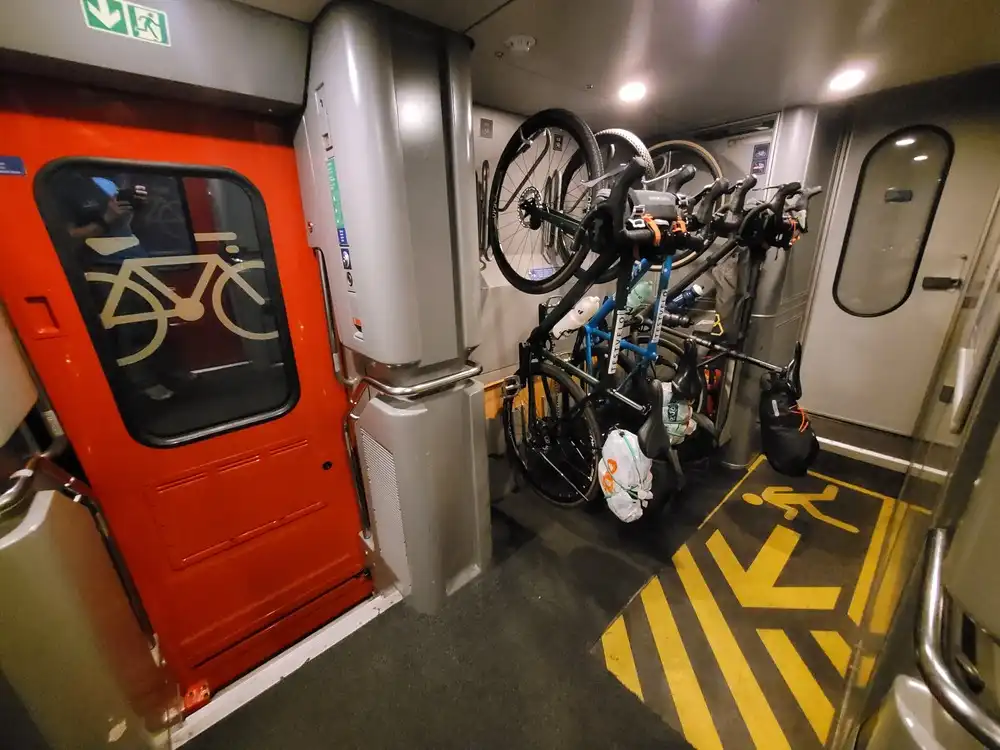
(882, 459)
(280, 666)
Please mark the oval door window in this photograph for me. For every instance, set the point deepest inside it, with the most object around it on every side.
(173, 270)
(898, 191)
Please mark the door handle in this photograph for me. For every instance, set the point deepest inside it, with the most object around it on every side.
(932, 661)
(939, 283)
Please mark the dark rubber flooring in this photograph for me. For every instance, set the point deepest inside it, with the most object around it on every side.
(506, 662)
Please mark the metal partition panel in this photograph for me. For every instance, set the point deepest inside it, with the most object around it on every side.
(426, 479)
(385, 152)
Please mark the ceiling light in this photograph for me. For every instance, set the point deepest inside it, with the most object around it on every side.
(920, 157)
(906, 141)
(632, 92)
(847, 79)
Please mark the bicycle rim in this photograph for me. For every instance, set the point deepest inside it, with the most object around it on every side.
(558, 455)
(530, 169)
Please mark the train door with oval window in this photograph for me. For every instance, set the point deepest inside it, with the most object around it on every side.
(915, 193)
(159, 275)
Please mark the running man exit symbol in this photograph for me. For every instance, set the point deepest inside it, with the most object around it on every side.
(127, 19)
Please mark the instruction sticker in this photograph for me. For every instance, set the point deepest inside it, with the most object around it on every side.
(338, 210)
(12, 165)
(758, 162)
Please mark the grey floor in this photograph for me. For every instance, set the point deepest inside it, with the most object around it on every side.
(507, 663)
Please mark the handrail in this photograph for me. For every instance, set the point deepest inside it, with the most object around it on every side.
(949, 690)
(339, 363)
(350, 439)
(420, 389)
(12, 497)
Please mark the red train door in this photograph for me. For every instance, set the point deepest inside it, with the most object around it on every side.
(156, 266)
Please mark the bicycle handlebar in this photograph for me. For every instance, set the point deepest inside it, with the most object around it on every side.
(678, 178)
(703, 210)
(777, 203)
(739, 199)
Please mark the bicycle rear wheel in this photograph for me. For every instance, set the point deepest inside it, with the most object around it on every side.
(558, 450)
(531, 166)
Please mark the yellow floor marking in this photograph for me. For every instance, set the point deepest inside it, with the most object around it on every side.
(689, 700)
(835, 647)
(753, 467)
(865, 670)
(618, 656)
(867, 575)
(810, 696)
(753, 706)
(849, 486)
(889, 587)
(756, 586)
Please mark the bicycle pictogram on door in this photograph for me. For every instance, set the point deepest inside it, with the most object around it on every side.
(135, 276)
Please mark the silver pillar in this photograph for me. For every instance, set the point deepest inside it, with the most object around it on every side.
(793, 150)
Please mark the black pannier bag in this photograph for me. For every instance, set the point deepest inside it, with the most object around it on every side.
(787, 437)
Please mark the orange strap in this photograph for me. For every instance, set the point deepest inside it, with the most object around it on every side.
(679, 226)
(651, 223)
(795, 231)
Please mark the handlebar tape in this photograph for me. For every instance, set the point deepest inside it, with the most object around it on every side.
(736, 203)
(680, 177)
(703, 211)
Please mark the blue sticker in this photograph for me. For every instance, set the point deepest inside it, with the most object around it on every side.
(758, 162)
(12, 165)
(342, 236)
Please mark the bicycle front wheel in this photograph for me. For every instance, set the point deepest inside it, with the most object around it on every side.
(554, 445)
(532, 162)
(247, 305)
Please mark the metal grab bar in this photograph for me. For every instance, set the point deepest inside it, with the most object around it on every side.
(339, 363)
(949, 690)
(41, 463)
(350, 439)
(420, 389)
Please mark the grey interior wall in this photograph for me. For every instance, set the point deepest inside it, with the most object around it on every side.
(507, 314)
(214, 44)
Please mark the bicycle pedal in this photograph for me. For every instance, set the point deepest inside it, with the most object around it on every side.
(511, 386)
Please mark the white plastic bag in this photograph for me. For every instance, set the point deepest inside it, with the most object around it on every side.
(580, 314)
(626, 476)
(678, 416)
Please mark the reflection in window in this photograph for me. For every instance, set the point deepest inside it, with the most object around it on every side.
(174, 272)
(898, 190)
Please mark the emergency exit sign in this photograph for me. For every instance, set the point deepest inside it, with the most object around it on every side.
(127, 19)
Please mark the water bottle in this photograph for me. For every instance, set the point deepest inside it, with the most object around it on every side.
(686, 298)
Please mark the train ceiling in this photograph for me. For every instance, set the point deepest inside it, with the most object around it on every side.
(702, 61)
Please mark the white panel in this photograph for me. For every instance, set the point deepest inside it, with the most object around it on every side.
(16, 386)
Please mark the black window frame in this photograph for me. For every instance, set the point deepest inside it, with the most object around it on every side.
(943, 178)
(46, 202)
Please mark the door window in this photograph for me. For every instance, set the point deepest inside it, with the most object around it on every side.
(173, 270)
(898, 191)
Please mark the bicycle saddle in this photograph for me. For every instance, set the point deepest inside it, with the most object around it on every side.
(653, 438)
(687, 380)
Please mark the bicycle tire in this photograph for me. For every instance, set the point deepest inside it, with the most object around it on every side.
(714, 168)
(588, 421)
(581, 133)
